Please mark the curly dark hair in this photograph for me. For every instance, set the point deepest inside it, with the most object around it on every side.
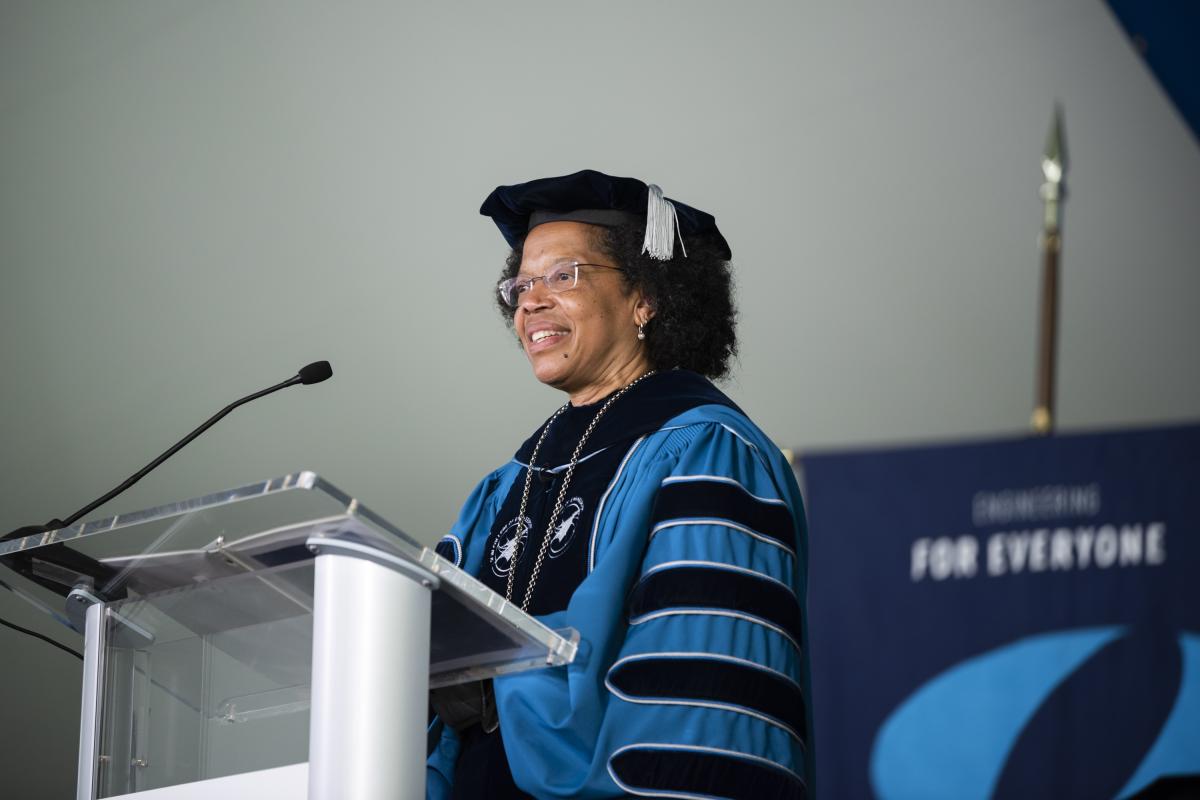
(694, 324)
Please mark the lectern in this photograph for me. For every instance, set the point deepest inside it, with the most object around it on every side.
(275, 640)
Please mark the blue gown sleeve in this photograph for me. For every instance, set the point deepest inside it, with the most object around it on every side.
(692, 681)
(463, 545)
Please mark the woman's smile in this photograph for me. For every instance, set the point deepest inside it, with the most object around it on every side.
(583, 339)
(541, 336)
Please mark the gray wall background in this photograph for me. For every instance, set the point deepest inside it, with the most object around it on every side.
(198, 198)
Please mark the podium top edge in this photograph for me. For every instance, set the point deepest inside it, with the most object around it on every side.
(303, 480)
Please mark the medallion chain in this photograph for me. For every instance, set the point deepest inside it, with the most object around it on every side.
(562, 495)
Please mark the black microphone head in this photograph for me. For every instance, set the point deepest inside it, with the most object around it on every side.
(315, 372)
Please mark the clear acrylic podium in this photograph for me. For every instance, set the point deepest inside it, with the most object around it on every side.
(276, 640)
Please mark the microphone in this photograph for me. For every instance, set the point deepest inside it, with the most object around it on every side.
(315, 372)
(312, 373)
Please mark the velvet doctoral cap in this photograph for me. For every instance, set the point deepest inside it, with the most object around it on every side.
(599, 199)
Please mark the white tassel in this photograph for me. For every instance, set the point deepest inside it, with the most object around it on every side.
(662, 226)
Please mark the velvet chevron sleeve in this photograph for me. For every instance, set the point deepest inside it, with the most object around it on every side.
(463, 544)
(693, 680)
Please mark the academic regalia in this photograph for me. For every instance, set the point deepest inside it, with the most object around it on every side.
(680, 558)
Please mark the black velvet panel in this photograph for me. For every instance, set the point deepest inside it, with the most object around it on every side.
(709, 679)
(710, 774)
(643, 409)
(449, 551)
(708, 587)
(708, 499)
(565, 564)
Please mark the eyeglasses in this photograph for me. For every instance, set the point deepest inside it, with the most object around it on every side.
(561, 277)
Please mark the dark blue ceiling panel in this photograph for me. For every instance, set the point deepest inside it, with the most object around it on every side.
(1167, 34)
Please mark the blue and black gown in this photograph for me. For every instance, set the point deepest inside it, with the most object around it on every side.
(680, 556)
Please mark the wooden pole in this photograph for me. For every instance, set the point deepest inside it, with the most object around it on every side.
(1054, 168)
(1043, 409)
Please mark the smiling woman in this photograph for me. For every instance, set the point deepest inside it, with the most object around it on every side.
(691, 320)
(648, 513)
(581, 340)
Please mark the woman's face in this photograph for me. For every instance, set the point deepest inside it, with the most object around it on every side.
(592, 348)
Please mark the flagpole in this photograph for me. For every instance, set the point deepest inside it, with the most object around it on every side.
(1053, 191)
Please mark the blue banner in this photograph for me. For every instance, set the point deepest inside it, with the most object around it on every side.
(1010, 619)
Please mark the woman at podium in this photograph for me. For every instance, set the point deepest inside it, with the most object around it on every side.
(648, 513)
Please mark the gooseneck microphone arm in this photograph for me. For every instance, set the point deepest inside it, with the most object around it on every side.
(84, 565)
(312, 373)
(141, 473)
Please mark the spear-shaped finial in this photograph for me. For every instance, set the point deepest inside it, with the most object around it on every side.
(1054, 169)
